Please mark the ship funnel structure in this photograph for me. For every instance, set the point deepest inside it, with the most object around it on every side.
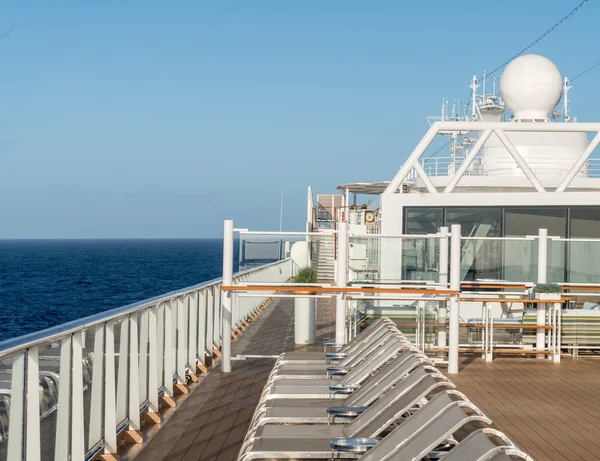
(531, 87)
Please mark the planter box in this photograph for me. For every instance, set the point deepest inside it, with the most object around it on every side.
(548, 296)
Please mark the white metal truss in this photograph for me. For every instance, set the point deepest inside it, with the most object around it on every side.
(499, 129)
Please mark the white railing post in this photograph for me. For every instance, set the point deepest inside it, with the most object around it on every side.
(210, 299)
(95, 430)
(17, 407)
(153, 359)
(341, 281)
(168, 365)
(110, 417)
(443, 281)
(77, 426)
(122, 372)
(193, 351)
(202, 313)
(542, 278)
(454, 325)
(62, 446)
(143, 351)
(181, 355)
(133, 409)
(160, 344)
(33, 452)
(226, 297)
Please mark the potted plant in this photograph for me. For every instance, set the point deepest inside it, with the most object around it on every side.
(305, 320)
(548, 291)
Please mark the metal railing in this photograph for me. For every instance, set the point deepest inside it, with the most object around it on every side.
(104, 373)
(447, 166)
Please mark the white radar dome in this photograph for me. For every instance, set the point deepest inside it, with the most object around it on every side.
(531, 87)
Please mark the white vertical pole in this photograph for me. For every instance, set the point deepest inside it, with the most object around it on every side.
(226, 297)
(193, 330)
(110, 417)
(542, 278)
(341, 281)
(181, 355)
(153, 358)
(168, 366)
(454, 299)
(77, 405)
(17, 413)
(143, 351)
(123, 371)
(134, 377)
(443, 281)
(33, 450)
(61, 450)
(95, 418)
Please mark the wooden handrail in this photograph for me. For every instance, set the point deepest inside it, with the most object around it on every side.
(490, 285)
(581, 288)
(335, 290)
(516, 300)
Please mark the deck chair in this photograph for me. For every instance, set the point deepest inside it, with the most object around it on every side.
(347, 359)
(479, 446)
(372, 422)
(430, 426)
(375, 358)
(355, 344)
(320, 369)
(315, 411)
(329, 388)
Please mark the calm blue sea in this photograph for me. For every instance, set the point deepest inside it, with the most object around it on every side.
(44, 283)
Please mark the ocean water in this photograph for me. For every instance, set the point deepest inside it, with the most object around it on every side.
(44, 283)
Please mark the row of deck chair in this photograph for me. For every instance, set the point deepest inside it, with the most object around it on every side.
(376, 398)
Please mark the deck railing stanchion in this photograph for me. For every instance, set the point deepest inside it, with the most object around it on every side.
(341, 280)
(443, 281)
(226, 297)
(542, 278)
(77, 427)
(454, 332)
(33, 452)
(153, 354)
(17, 407)
(558, 331)
(61, 450)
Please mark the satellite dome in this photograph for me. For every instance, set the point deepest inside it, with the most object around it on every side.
(531, 86)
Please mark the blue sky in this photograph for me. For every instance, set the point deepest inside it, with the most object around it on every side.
(161, 119)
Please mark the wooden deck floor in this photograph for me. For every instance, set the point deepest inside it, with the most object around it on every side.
(552, 411)
(211, 424)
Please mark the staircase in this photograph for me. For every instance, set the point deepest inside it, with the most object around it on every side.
(322, 257)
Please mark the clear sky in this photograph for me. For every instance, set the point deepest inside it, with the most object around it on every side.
(162, 118)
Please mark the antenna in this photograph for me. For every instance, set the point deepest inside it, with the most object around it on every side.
(484, 75)
(473, 87)
(566, 89)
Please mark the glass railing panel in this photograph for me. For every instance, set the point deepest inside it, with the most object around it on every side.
(583, 257)
(420, 321)
(511, 259)
(556, 271)
(374, 259)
